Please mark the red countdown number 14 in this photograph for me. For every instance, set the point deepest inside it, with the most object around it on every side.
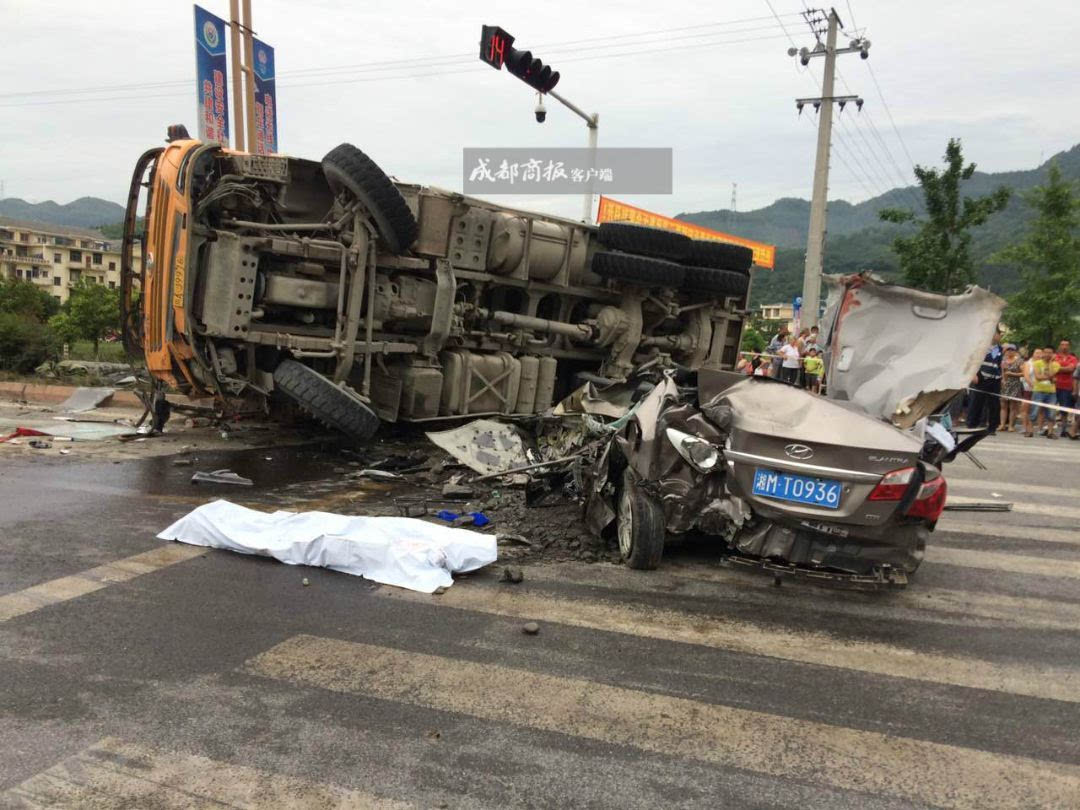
(496, 47)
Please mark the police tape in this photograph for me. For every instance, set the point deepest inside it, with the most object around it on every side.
(1048, 405)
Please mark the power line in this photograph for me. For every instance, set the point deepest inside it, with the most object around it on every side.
(888, 112)
(777, 17)
(354, 80)
(447, 59)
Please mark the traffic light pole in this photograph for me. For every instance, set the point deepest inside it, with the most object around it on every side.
(593, 124)
(237, 78)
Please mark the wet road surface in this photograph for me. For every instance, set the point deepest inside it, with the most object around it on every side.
(144, 674)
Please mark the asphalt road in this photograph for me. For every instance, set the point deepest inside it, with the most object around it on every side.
(135, 673)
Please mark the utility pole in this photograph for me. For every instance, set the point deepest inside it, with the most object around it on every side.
(731, 211)
(815, 238)
(237, 78)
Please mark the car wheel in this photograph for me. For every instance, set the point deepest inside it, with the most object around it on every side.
(711, 280)
(639, 526)
(721, 255)
(637, 269)
(643, 240)
(348, 169)
(335, 407)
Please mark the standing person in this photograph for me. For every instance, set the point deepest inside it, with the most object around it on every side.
(1027, 380)
(1043, 391)
(1074, 430)
(791, 363)
(815, 338)
(1011, 376)
(987, 386)
(802, 344)
(1063, 381)
(779, 340)
(814, 368)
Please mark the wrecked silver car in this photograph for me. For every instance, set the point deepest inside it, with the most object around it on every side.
(847, 485)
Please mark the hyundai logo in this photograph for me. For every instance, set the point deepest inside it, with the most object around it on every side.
(799, 451)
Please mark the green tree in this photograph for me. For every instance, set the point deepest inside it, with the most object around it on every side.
(938, 257)
(93, 310)
(26, 298)
(1048, 261)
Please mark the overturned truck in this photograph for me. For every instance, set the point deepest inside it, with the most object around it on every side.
(361, 299)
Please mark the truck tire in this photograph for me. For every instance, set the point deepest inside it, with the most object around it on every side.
(639, 525)
(329, 404)
(655, 242)
(721, 255)
(711, 280)
(637, 269)
(347, 168)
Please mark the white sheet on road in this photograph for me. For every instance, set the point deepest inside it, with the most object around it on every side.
(405, 552)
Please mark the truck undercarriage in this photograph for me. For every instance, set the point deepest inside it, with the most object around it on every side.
(362, 299)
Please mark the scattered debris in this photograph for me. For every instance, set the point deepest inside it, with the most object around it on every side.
(182, 462)
(513, 538)
(23, 431)
(484, 445)
(408, 553)
(477, 519)
(514, 575)
(221, 477)
(378, 475)
(40, 444)
(530, 628)
(305, 582)
(980, 506)
(458, 491)
(65, 452)
(86, 399)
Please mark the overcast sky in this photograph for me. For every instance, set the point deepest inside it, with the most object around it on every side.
(999, 75)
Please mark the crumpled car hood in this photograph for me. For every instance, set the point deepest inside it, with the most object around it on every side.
(899, 353)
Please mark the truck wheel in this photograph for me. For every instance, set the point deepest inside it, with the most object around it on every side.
(721, 255)
(637, 269)
(639, 239)
(708, 279)
(333, 406)
(347, 168)
(640, 526)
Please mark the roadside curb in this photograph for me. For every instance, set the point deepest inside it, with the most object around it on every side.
(42, 392)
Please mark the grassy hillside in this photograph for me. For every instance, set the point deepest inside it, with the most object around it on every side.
(85, 212)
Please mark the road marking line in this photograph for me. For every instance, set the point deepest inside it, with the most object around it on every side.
(93, 579)
(996, 561)
(1022, 507)
(949, 525)
(934, 773)
(1009, 490)
(936, 605)
(818, 648)
(113, 773)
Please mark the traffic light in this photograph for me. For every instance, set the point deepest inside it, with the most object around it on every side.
(497, 49)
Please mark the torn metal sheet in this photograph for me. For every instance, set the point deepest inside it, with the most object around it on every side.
(901, 353)
(612, 401)
(484, 445)
(221, 477)
(86, 399)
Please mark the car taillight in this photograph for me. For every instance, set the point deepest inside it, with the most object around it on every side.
(930, 502)
(893, 485)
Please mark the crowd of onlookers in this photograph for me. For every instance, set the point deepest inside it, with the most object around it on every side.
(1013, 383)
(1026, 383)
(793, 358)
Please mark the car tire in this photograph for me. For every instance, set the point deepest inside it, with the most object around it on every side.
(642, 240)
(331, 405)
(637, 269)
(639, 526)
(719, 255)
(348, 169)
(711, 280)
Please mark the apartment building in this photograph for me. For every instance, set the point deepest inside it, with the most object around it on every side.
(777, 312)
(58, 257)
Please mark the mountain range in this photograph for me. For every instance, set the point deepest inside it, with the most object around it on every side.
(857, 239)
(85, 212)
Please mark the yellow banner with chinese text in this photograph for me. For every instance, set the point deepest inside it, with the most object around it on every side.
(615, 211)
